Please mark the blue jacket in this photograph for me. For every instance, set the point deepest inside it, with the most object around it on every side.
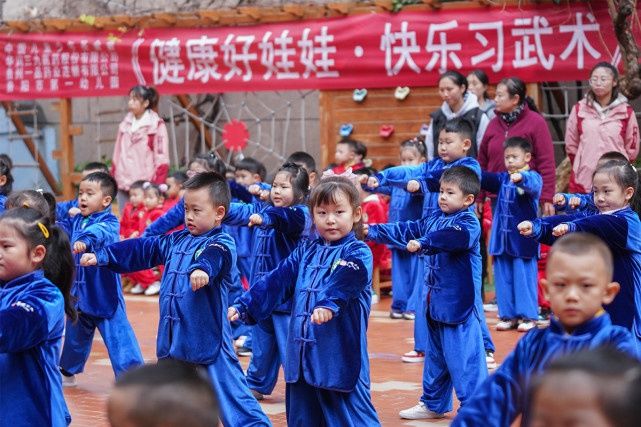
(404, 206)
(515, 203)
(621, 231)
(62, 208)
(336, 276)
(587, 203)
(453, 261)
(428, 175)
(504, 395)
(192, 325)
(98, 289)
(32, 316)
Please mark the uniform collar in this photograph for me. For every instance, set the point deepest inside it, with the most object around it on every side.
(598, 322)
(348, 238)
(19, 281)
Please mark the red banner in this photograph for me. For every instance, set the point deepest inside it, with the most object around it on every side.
(539, 43)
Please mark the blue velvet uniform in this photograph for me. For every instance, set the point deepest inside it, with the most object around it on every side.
(193, 326)
(503, 396)
(327, 366)
(62, 208)
(100, 301)
(586, 205)
(515, 256)
(621, 231)
(31, 327)
(274, 240)
(455, 354)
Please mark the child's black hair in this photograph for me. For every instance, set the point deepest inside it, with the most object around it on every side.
(304, 159)
(298, 178)
(516, 86)
(625, 175)
(518, 142)
(482, 76)
(145, 93)
(5, 170)
(417, 143)
(457, 78)
(352, 144)
(616, 378)
(211, 162)
(369, 171)
(253, 166)
(464, 128)
(138, 185)
(96, 166)
(171, 393)
(58, 264)
(215, 183)
(159, 190)
(108, 184)
(327, 192)
(179, 176)
(615, 76)
(613, 155)
(464, 178)
(6, 158)
(581, 244)
(43, 202)
(361, 149)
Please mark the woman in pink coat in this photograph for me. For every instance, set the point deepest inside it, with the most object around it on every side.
(142, 145)
(601, 122)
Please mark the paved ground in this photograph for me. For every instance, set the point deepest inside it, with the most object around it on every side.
(395, 385)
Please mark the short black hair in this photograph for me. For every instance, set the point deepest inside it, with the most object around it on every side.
(6, 164)
(170, 393)
(613, 155)
(361, 149)
(252, 165)
(518, 142)
(42, 201)
(460, 126)
(96, 166)
(108, 184)
(299, 179)
(465, 178)
(140, 184)
(583, 243)
(179, 176)
(351, 143)
(369, 171)
(304, 159)
(216, 184)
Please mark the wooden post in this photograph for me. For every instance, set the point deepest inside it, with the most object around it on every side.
(185, 102)
(65, 154)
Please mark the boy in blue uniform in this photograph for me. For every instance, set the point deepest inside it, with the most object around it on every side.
(515, 256)
(62, 208)
(450, 240)
(100, 303)
(579, 281)
(193, 294)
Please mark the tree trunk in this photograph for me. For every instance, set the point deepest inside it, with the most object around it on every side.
(621, 12)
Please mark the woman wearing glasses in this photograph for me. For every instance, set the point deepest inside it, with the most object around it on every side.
(601, 122)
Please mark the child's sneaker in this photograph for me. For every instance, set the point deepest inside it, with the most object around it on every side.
(491, 307)
(413, 357)
(489, 359)
(68, 380)
(375, 298)
(408, 315)
(506, 325)
(419, 412)
(526, 325)
(153, 289)
(395, 314)
(137, 289)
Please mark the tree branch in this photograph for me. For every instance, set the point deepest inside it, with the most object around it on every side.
(620, 12)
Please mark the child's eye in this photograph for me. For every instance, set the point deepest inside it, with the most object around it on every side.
(586, 285)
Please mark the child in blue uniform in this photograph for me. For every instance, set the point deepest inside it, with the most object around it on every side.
(329, 282)
(36, 275)
(578, 282)
(193, 293)
(6, 179)
(449, 239)
(615, 186)
(515, 257)
(279, 226)
(100, 302)
(62, 208)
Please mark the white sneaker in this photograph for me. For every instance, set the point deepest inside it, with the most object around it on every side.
(137, 289)
(413, 357)
(419, 412)
(408, 315)
(395, 314)
(68, 381)
(490, 307)
(153, 289)
(526, 325)
(375, 299)
(489, 360)
(506, 325)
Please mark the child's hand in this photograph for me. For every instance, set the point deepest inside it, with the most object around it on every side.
(516, 177)
(525, 228)
(134, 234)
(232, 314)
(79, 247)
(413, 246)
(321, 315)
(574, 202)
(254, 189)
(372, 182)
(88, 260)
(365, 229)
(264, 195)
(73, 212)
(560, 230)
(413, 186)
(255, 219)
(558, 200)
(363, 178)
(198, 279)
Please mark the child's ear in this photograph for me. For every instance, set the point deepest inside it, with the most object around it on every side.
(527, 157)
(38, 254)
(545, 285)
(3, 180)
(220, 213)
(611, 291)
(256, 178)
(467, 144)
(469, 199)
(106, 201)
(358, 214)
(628, 193)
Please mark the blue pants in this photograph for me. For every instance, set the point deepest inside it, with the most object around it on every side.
(237, 405)
(238, 328)
(269, 346)
(309, 406)
(404, 280)
(515, 281)
(455, 358)
(420, 297)
(488, 344)
(117, 334)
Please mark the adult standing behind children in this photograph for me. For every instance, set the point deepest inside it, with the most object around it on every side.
(603, 121)
(142, 144)
(518, 116)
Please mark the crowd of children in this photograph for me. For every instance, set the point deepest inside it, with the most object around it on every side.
(278, 269)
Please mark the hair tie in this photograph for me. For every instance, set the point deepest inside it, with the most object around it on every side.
(146, 185)
(43, 228)
(163, 188)
(25, 205)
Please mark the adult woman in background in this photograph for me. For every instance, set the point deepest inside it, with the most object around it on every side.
(601, 122)
(478, 82)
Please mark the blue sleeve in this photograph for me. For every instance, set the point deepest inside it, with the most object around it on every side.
(239, 192)
(459, 237)
(396, 234)
(381, 189)
(95, 235)
(542, 227)
(587, 202)
(135, 254)
(431, 181)
(291, 220)
(62, 208)
(532, 183)
(23, 325)
(399, 175)
(612, 229)
(491, 182)
(173, 218)
(239, 213)
(215, 260)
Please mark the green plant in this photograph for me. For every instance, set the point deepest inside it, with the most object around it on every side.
(397, 5)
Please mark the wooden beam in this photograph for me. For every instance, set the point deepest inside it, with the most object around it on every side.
(185, 102)
(31, 146)
(65, 153)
